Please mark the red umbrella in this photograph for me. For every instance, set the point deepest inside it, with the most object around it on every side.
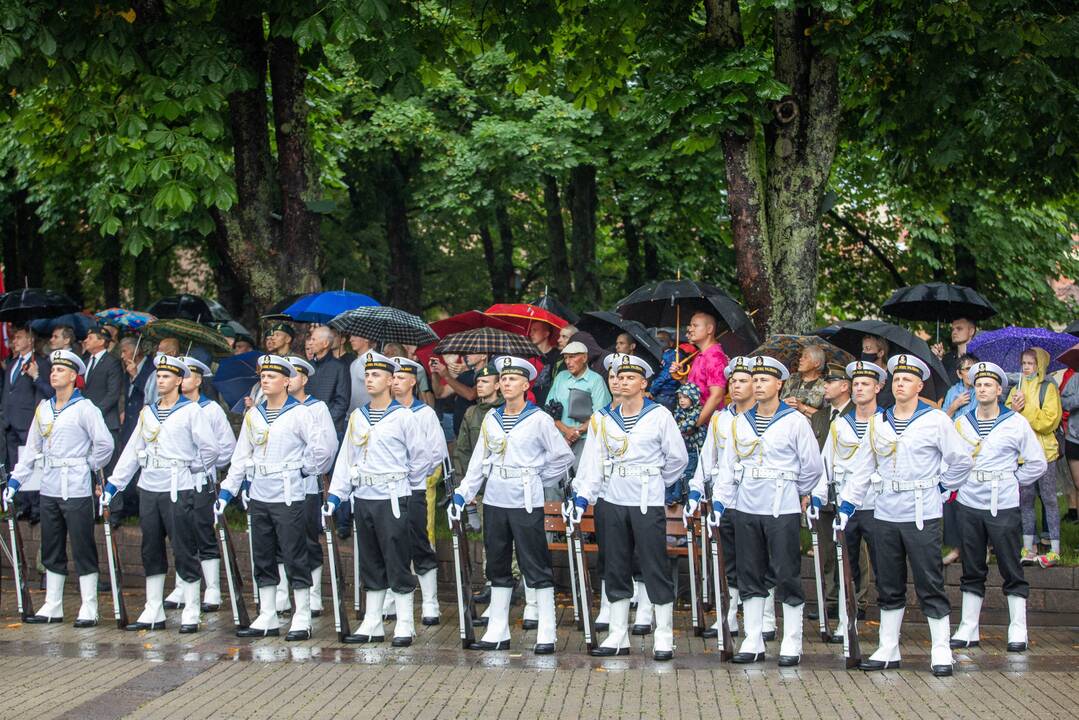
(523, 315)
(473, 319)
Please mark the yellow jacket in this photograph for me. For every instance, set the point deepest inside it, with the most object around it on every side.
(1043, 418)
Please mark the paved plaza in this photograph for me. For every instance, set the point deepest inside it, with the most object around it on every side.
(55, 671)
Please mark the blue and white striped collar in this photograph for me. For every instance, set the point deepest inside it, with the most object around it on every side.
(782, 411)
(290, 402)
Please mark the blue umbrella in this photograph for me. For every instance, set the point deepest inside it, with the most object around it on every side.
(325, 306)
(235, 375)
(80, 323)
(1005, 346)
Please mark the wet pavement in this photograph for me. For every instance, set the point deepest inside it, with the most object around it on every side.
(103, 672)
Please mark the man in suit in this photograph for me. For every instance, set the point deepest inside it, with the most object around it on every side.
(103, 384)
(24, 384)
(138, 369)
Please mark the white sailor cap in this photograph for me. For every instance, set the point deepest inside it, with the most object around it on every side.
(377, 361)
(634, 364)
(301, 365)
(196, 365)
(68, 359)
(766, 365)
(509, 365)
(910, 364)
(611, 360)
(171, 364)
(988, 370)
(409, 366)
(277, 364)
(740, 364)
(862, 368)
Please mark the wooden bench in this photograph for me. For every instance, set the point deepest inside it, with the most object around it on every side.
(553, 522)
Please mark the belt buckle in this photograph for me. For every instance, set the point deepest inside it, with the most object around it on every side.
(621, 470)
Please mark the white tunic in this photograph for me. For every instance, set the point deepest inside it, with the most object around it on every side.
(222, 432)
(168, 452)
(516, 464)
(62, 452)
(769, 472)
(324, 434)
(1007, 457)
(928, 452)
(379, 461)
(715, 441)
(275, 456)
(432, 437)
(631, 468)
(848, 458)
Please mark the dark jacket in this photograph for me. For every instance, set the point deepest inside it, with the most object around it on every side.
(21, 397)
(136, 398)
(103, 387)
(469, 435)
(821, 420)
(331, 384)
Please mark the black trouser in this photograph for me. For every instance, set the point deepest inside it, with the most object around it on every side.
(423, 555)
(730, 557)
(61, 519)
(507, 529)
(27, 502)
(597, 521)
(952, 528)
(280, 529)
(205, 537)
(860, 528)
(160, 518)
(385, 546)
(313, 536)
(898, 542)
(769, 545)
(631, 534)
(826, 554)
(978, 528)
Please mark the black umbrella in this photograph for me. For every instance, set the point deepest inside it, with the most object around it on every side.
(22, 306)
(486, 341)
(1073, 329)
(382, 324)
(673, 302)
(189, 307)
(559, 308)
(849, 337)
(277, 310)
(605, 327)
(936, 302)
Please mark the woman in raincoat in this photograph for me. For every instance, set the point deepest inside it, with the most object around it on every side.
(1038, 400)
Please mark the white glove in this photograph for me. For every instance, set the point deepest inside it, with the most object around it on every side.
(812, 513)
(106, 498)
(457, 504)
(245, 498)
(219, 507)
(576, 513)
(689, 510)
(840, 522)
(716, 515)
(9, 496)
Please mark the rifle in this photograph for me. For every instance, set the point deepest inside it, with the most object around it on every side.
(706, 561)
(251, 554)
(822, 605)
(18, 560)
(848, 602)
(567, 499)
(337, 576)
(696, 601)
(357, 595)
(573, 537)
(723, 602)
(233, 577)
(466, 609)
(116, 571)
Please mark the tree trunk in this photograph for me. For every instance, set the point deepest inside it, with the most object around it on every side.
(110, 253)
(231, 289)
(495, 277)
(651, 259)
(405, 272)
(749, 225)
(634, 269)
(582, 196)
(296, 171)
(966, 262)
(24, 261)
(505, 252)
(558, 273)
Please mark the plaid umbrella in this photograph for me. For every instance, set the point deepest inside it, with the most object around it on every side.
(1005, 346)
(127, 319)
(190, 332)
(382, 324)
(787, 349)
(487, 341)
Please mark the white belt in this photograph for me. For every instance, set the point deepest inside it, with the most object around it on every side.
(780, 476)
(202, 479)
(644, 473)
(48, 462)
(284, 469)
(160, 462)
(524, 474)
(362, 479)
(993, 477)
(913, 486)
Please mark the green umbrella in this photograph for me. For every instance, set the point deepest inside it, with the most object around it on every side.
(191, 333)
